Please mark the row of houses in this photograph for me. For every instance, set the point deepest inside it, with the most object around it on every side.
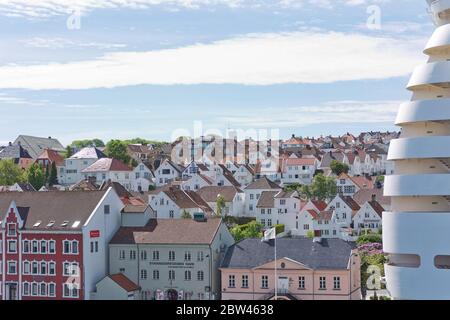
(107, 244)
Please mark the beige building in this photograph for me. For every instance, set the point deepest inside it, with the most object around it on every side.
(303, 269)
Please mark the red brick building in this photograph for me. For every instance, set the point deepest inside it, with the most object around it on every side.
(53, 245)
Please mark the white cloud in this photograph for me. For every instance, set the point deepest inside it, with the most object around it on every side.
(61, 43)
(255, 59)
(48, 8)
(331, 112)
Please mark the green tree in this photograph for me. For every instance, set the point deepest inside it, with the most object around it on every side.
(118, 150)
(370, 238)
(68, 152)
(10, 173)
(220, 203)
(322, 188)
(252, 229)
(47, 173)
(53, 178)
(79, 144)
(185, 215)
(338, 167)
(36, 176)
(293, 187)
(310, 234)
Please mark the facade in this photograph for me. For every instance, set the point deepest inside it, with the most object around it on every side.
(172, 259)
(73, 166)
(117, 287)
(369, 217)
(306, 270)
(420, 185)
(234, 199)
(253, 192)
(142, 178)
(108, 169)
(54, 244)
(167, 172)
(298, 170)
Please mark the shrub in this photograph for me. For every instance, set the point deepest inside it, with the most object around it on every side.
(370, 238)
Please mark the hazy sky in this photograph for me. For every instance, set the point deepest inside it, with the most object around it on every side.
(127, 68)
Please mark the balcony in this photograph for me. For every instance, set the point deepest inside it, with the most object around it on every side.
(420, 148)
(423, 110)
(417, 185)
(433, 74)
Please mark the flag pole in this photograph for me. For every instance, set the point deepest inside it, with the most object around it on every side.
(276, 276)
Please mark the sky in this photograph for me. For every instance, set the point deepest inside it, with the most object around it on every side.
(84, 69)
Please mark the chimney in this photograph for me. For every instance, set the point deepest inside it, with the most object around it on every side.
(49, 137)
(10, 144)
(374, 197)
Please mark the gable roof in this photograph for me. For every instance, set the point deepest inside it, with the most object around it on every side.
(36, 145)
(169, 231)
(362, 182)
(14, 152)
(83, 185)
(52, 156)
(267, 199)
(229, 176)
(329, 254)
(58, 206)
(350, 202)
(262, 183)
(365, 195)
(26, 186)
(124, 282)
(210, 193)
(378, 208)
(186, 199)
(88, 153)
(319, 204)
(107, 164)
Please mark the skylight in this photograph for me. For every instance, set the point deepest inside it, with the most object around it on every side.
(50, 224)
(65, 223)
(37, 224)
(76, 224)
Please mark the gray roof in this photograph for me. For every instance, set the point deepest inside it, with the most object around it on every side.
(36, 145)
(262, 184)
(329, 254)
(14, 152)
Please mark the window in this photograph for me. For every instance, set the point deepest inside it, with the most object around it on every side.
(200, 276)
(26, 246)
(263, 211)
(187, 275)
(34, 289)
(171, 255)
(26, 289)
(244, 281)
(43, 246)
(43, 289)
(171, 274)
(269, 211)
(75, 247)
(282, 202)
(252, 196)
(232, 281)
(70, 268)
(263, 222)
(269, 222)
(26, 267)
(51, 289)
(155, 255)
(306, 227)
(200, 256)
(171, 215)
(35, 268)
(94, 246)
(132, 254)
(187, 256)
(144, 255)
(106, 209)
(51, 268)
(70, 290)
(337, 283)
(66, 246)
(322, 283)
(264, 282)
(155, 274)
(121, 254)
(250, 207)
(143, 274)
(12, 246)
(301, 283)
(51, 246)
(12, 267)
(12, 229)
(43, 269)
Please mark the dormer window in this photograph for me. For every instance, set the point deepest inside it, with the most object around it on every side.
(50, 224)
(37, 224)
(64, 224)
